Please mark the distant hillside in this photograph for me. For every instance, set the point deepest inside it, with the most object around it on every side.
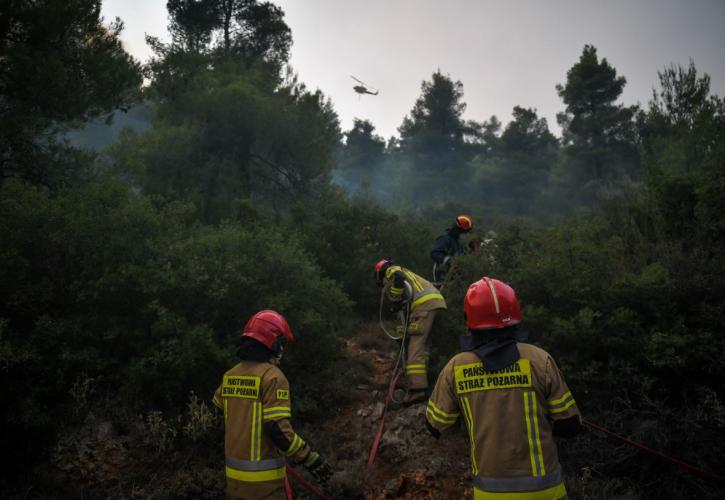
(97, 135)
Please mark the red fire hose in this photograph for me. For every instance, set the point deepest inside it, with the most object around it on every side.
(304, 482)
(658, 454)
(378, 437)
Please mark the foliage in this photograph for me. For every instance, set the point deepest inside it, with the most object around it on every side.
(362, 161)
(60, 67)
(629, 300)
(599, 135)
(433, 141)
(246, 31)
(104, 283)
(244, 137)
(125, 282)
(514, 176)
(348, 238)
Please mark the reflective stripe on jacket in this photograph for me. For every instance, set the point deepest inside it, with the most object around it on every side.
(509, 415)
(255, 471)
(252, 395)
(425, 296)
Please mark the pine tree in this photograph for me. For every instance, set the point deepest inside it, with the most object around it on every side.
(599, 134)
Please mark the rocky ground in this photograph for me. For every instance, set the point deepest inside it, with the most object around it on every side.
(112, 455)
(410, 463)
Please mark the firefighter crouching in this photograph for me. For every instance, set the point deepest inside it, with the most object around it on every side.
(425, 300)
(255, 397)
(512, 397)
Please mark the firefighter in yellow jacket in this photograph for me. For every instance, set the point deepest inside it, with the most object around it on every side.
(401, 285)
(513, 400)
(255, 397)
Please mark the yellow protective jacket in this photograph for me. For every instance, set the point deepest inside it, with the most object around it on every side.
(258, 435)
(509, 414)
(425, 296)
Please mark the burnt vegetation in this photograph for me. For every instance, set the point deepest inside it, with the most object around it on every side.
(127, 273)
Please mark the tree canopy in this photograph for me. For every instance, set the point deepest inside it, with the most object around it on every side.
(61, 66)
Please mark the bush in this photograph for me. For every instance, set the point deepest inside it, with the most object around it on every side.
(106, 284)
(348, 238)
(627, 327)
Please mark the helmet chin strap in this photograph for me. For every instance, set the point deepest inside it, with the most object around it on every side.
(278, 350)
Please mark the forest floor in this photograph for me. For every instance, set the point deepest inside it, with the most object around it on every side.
(113, 455)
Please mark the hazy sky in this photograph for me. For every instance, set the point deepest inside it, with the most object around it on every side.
(506, 52)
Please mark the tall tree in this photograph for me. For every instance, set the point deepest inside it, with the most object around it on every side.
(60, 66)
(363, 155)
(681, 115)
(191, 22)
(245, 30)
(216, 33)
(684, 152)
(433, 139)
(245, 137)
(599, 134)
(437, 114)
(516, 176)
(254, 30)
(527, 134)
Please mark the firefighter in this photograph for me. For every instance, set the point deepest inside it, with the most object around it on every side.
(404, 287)
(513, 399)
(448, 245)
(255, 398)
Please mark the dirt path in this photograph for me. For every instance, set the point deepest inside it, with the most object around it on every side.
(410, 462)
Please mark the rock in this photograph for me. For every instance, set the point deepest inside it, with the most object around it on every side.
(391, 488)
(377, 411)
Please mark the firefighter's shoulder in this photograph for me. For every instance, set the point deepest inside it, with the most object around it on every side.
(272, 373)
(390, 271)
(235, 370)
(462, 358)
(534, 353)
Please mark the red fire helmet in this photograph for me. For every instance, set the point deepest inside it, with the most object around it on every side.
(491, 304)
(464, 222)
(267, 327)
(380, 268)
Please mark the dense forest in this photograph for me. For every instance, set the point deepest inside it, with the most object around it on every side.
(127, 273)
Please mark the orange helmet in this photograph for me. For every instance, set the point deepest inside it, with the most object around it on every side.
(491, 304)
(270, 329)
(464, 223)
(380, 269)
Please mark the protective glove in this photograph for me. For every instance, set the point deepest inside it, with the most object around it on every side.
(317, 467)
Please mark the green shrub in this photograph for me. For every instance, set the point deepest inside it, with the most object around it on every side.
(347, 239)
(106, 284)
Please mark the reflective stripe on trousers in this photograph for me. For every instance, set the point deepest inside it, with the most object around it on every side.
(548, 487)
(557, 492)
(525, 483)
(257, 470)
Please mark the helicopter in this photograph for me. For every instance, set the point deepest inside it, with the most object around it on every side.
(363, 88)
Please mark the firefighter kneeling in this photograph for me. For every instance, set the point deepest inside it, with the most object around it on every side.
(255, 397)
(513, 400)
